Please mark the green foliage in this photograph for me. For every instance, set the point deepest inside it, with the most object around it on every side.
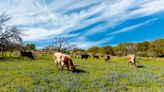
(30, 47)
(142, 48)
(41, 75)
(156, 48)
(75, 50)
(93, 50)
(107, 50)
(125, 48)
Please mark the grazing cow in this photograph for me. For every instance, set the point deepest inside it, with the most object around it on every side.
(132, 60)
(63, 59)
(26, 54)
(85, 56)
(107, 58)
(95, 56)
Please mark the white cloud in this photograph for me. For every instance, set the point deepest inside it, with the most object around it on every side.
(83, 43)
(148, 8)
(38, 34)
(54, 14)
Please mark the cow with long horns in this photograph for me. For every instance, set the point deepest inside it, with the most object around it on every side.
(63, 59)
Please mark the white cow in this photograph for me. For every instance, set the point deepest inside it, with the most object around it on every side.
(132, 60)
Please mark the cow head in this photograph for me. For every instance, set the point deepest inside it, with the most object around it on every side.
(72, 68)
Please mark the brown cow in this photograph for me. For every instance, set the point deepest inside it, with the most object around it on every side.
(107, 58)
(64, 59)
(132, 60)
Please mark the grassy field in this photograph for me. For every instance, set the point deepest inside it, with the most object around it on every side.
(94, 75)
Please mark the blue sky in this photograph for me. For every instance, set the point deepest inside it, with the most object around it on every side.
(87, 23)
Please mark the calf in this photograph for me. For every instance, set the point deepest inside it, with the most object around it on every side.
(63, 59)
(85, 56)
(132, 60)
(26, 54)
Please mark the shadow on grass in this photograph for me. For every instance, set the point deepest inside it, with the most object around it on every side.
(11, 59)
(7, 59)
(2, 58)
(79, 71)
(140, 66)
(75, 71)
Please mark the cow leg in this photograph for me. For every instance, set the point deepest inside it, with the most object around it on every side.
(106, 60)
(67, 67)
(134, 61)
(62, 65)
(57, 65)
(66, 64)
(21, 57)
(129, 62)
(32, 57)
(132, 64)
(135, 65)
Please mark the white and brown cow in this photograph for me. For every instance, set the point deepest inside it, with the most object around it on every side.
(132, 60)
(63, 59)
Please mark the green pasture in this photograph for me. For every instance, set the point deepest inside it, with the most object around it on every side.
(92, 75)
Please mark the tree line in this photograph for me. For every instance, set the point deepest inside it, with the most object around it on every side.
(144, 49)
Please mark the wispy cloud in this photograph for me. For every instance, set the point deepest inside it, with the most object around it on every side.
(148, 8)
(44, 19)
(83, 43)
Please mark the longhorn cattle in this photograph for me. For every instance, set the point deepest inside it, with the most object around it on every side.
(63, 59)
(107, 58)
